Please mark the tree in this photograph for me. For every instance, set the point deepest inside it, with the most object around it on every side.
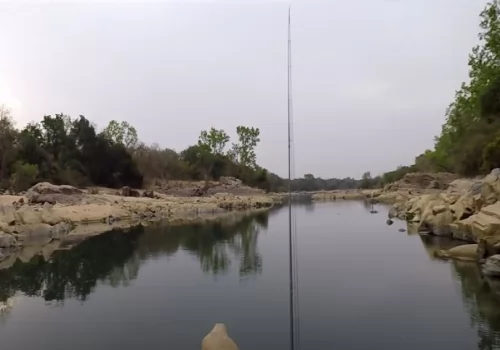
(245, 149)
(476, 98)
(200, 160)
(7, 141)
(122, 133)
(215, 140)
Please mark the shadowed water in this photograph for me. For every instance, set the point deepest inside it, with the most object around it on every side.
(363, 285)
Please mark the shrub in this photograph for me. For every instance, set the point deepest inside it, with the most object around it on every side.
(24, 176)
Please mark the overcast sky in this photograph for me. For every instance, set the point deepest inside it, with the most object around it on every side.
(371, 78)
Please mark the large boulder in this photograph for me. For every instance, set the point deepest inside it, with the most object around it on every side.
(8, 214)
(439, 223)
(48, 188)
(218, 339)
(462, 229)
(487, 222)
(465, 252)
(7, 241)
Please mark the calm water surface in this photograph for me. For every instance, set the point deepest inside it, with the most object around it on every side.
(363, 285)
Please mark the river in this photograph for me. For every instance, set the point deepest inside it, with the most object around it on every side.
(362, 285)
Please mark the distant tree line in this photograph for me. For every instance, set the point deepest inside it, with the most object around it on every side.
(63, 150)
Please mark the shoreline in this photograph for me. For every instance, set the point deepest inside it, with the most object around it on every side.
(28, 227)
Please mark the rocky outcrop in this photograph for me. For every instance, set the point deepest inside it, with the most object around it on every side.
(421, 181)
(48, 188)
(469, 210)
(218, 339)
(28, 228)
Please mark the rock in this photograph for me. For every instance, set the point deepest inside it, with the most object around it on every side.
(7, 241)
(93, 190)
(487, 247)
(8, 214)
(492, 266)
(198, 192)
(48, 188)
(486, 222)
(230, 181)
(438, 209)
(389, 222)
(29, 216)
(462, 229)
(463, 207)
(434, 184)
(439, 224)
(218, 339)
(37, 198)
(48, 216)
(373, 211)
(127, 191)
(465, 252)
(402, 230)
(149, 194)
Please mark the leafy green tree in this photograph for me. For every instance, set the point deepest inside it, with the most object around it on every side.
(8, 136)
(475, 98)
(245, 149)
(214, 140)
(122, 133)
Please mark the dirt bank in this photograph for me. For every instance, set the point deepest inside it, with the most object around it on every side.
(48, 216)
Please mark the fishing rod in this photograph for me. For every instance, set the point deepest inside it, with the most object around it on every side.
(292, 236)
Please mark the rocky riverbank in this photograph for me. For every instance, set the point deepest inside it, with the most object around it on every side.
(463, 209)
(49, 216)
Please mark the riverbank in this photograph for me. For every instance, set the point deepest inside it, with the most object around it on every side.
(463, 209)
(49, 217)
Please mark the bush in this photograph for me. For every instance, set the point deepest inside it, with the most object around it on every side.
(24, 176)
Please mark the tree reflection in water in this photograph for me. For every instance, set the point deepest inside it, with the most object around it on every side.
(114, 258)
(480, 295)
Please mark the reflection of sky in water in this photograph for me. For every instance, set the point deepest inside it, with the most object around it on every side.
(363, 285)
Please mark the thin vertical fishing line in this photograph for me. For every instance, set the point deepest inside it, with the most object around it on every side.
(294, 300)
(290, 238)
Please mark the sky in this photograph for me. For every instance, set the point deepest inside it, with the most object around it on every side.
(371, 78)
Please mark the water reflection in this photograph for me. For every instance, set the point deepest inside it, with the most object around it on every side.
(480, 295)
(115, 258)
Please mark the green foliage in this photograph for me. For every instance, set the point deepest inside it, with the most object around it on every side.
(397, 174)
(214, 140)
(24, 176)
(67, 151)
(468, 141)
(459, 147)
(122, 133)
(491, 155)
(367, 181)
(244, 150)
(8, 136)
